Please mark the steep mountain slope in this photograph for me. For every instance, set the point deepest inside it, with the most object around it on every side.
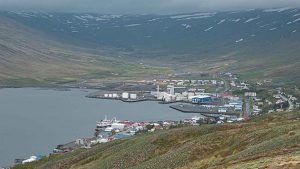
(30, 57)
(206, 34)
(269, 141)
(256, 43)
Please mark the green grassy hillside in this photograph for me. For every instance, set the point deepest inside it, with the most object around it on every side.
(269, 141)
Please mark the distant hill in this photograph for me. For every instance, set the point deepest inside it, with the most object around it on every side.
(256, 43)
(269, 141)
(206, 34)
(29, 57)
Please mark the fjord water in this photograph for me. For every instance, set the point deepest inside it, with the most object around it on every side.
(33, 121)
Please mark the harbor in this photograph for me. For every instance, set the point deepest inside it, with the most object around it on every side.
(188, 98)
(163, 104)
(73, 114)
(107, 130)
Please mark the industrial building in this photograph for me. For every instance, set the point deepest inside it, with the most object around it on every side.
(201, 99)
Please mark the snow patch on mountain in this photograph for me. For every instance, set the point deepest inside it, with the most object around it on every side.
(46, 15)
(208, 29)
(113, 16)
(296, 20)
(80, 18)
(186, 26)
(264, 25)
(152, 20)
(192, 16)
(298, 14)
(133, 25)
(240, 40)
(276, 9)
(251, 19)
(93, 18)
(25, 14)
(221, 21)
(236, 20)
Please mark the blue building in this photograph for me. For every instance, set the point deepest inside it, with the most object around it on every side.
(201, 99)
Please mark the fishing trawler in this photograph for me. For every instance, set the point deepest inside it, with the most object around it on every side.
(103, 124)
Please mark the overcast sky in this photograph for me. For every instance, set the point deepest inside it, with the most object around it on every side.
(141, 6)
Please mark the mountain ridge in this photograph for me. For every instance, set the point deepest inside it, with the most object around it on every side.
(262, 42)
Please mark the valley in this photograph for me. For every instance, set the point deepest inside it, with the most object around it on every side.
(237, 69)
(61, 47)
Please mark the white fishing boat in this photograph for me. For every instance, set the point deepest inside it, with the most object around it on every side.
(103, 124)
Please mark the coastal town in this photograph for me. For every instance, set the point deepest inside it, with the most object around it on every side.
(223, 99)
(222, 93)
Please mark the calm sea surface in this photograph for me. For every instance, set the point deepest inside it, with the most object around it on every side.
(33, 121)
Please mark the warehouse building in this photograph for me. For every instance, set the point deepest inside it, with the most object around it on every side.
(201, 99)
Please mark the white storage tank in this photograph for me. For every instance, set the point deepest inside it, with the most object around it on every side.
(105, 95)
(133, 96)
(125, 95)
(110, 95)
(115, 95)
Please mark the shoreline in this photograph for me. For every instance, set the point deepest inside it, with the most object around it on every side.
(204, 112)
(95, 110)
(123, 100)
(159, 101)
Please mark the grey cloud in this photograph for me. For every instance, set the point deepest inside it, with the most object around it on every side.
(141, 6)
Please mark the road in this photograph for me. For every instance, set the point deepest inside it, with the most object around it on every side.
(291, 105)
